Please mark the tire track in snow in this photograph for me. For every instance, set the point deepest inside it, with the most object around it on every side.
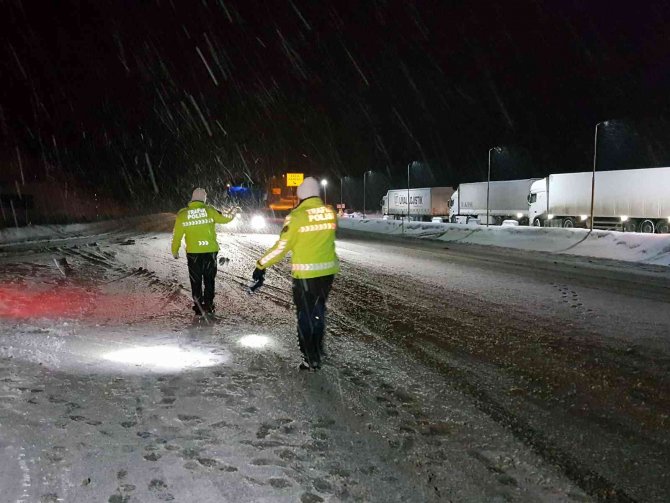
(25, 476)
(465, 374)
(352, 324)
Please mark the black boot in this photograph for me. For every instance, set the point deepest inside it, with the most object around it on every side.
(304, 365)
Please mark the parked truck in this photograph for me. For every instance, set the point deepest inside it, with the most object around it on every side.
(630, 200)
(424, 204)
(508, 200)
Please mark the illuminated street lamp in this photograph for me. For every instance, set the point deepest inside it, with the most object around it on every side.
(324, 184)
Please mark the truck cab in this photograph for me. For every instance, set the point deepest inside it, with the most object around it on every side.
(454, 217)
(384, 205)
(453, 206)
(537, 203)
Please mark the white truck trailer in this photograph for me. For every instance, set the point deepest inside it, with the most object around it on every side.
(508, 200)
(629, 200)
(424, 203)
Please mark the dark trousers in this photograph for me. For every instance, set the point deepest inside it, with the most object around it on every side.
(202, 269)
(309, 297)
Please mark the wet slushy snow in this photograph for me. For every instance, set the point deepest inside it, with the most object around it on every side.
(447, 379)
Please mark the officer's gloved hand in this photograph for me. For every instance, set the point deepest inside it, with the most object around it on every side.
(258, 274)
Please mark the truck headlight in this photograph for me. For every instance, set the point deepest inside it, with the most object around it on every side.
(583, 217)
(550, 216)
(519, 215)
(257, 222)
(624, 218)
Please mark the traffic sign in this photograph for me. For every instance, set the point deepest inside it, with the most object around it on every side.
(294, 179)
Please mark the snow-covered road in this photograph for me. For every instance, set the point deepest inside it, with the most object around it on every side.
(455, 373)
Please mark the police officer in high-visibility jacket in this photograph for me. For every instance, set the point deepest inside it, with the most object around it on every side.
(309, 234)
(197, 222)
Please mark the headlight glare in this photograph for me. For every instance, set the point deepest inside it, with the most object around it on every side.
(257, 222)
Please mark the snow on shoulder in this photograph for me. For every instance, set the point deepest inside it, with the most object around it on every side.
(625, 246)
(11, 236)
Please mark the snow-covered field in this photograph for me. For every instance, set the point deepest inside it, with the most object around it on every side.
(451, 376)
(632, 247)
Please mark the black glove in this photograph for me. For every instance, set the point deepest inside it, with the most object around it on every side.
(258, 274)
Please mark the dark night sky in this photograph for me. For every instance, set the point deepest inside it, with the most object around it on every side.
(210, 90)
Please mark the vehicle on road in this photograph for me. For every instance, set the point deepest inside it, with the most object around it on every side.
(424, 203)
(507, 200)
(256, 212)
(351, 214)
(632, 200)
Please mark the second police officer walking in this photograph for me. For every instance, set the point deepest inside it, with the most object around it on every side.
(309, 234)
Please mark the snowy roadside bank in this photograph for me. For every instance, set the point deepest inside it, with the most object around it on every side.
(629, 247)
(50, 233)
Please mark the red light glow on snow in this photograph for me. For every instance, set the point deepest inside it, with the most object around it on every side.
(20, 302)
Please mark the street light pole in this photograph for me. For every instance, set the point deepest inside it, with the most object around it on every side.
(593, 176)
(341, 197)
(364, 175)
(324, 184)
(488, 188)
(488, 183)
(408, 209)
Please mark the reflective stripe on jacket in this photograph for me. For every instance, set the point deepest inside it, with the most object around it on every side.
(197, 222)
(309, 234)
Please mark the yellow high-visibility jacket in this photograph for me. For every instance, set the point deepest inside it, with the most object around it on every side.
(196, 222)
(309, 234)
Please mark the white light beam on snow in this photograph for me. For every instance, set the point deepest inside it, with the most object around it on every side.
(163, 357)
(254, 341)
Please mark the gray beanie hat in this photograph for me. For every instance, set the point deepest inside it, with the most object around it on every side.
(308, 188)
(199, 195)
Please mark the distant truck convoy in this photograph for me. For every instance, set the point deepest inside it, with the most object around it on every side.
(508, 200)
(424, 204)
(630, 200)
